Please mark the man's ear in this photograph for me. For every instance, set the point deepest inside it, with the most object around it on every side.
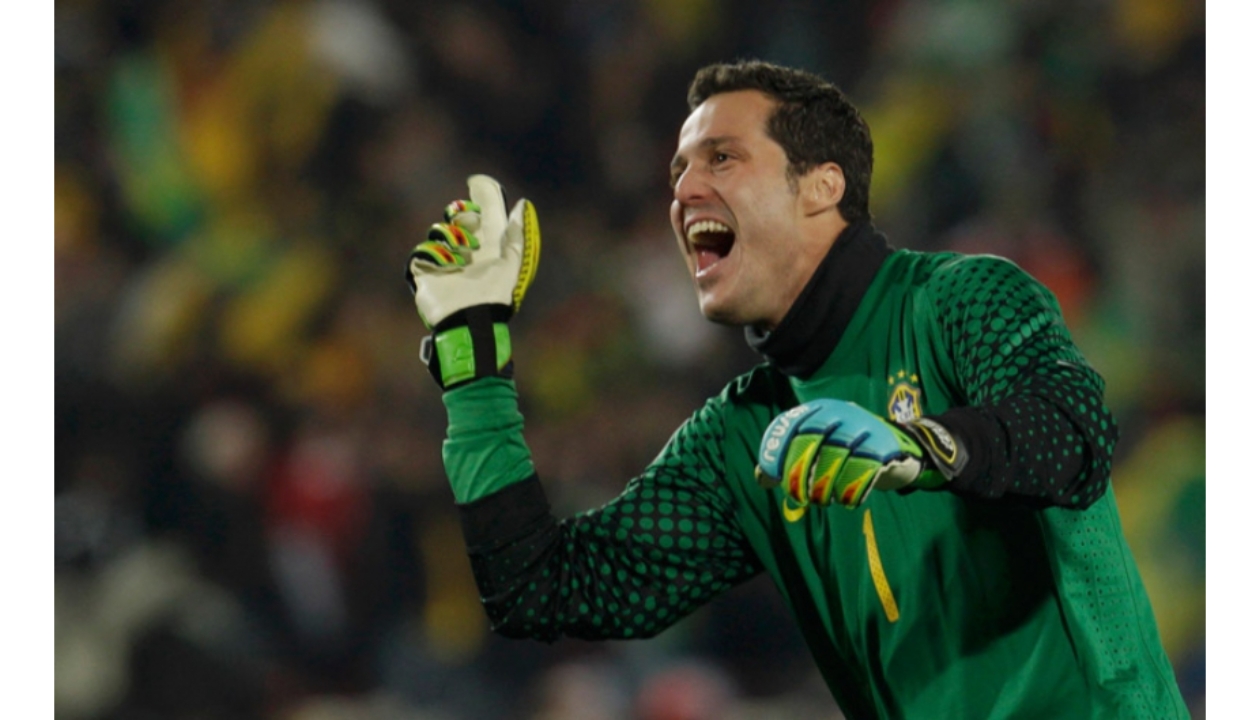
(822, 188)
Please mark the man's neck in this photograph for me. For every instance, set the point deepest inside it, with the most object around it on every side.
(809, 331)
(820, 236)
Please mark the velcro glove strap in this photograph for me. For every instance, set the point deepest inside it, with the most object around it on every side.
(946, 454)
(473, 343)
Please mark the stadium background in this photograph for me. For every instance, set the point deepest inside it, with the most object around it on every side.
(251, 516)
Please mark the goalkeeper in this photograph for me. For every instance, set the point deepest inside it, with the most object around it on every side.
(921, 464)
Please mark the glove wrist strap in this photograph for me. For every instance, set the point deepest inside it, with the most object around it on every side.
(473, 343)
(948, 456)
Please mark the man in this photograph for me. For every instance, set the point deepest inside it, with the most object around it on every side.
(991, 580)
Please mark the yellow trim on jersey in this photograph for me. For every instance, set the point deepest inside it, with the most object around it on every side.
(793, 514)
(877, 570)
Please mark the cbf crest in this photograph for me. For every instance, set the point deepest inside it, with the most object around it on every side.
(904, 397)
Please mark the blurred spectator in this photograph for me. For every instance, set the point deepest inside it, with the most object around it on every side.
(688, 692)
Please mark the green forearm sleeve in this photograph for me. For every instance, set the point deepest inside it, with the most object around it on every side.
(485, 447)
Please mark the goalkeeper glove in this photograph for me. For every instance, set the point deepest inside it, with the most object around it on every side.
(468, 277)
(833, 451)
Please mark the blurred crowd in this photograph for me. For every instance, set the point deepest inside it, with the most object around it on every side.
(252, 520)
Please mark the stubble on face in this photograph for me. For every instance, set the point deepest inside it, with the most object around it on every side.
(729, 176)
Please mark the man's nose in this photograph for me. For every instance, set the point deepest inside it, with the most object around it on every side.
(690, 187)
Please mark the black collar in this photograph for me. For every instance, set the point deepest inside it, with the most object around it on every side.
(815, 322)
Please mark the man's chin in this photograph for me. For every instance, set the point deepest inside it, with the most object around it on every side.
(720, 313)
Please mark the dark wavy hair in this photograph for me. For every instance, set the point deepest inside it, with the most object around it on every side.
(814, 123)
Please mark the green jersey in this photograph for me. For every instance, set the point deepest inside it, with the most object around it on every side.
(1011, 593)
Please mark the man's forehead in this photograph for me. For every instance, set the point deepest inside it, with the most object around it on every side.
(730, 115)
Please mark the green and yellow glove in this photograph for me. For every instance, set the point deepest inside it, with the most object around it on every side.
(833, 451)
(468, 277)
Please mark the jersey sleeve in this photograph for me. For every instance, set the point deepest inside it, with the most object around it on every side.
(1034, 422)
(666, 545)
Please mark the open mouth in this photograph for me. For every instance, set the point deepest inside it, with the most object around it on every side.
(711, 241)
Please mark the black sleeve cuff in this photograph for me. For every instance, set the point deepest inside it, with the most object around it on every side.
(506, 516)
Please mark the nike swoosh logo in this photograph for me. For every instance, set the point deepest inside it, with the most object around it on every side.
(793, 515)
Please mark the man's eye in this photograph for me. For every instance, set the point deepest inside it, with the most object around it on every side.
(720, 157)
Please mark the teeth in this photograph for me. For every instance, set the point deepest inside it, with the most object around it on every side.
(707, 226)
